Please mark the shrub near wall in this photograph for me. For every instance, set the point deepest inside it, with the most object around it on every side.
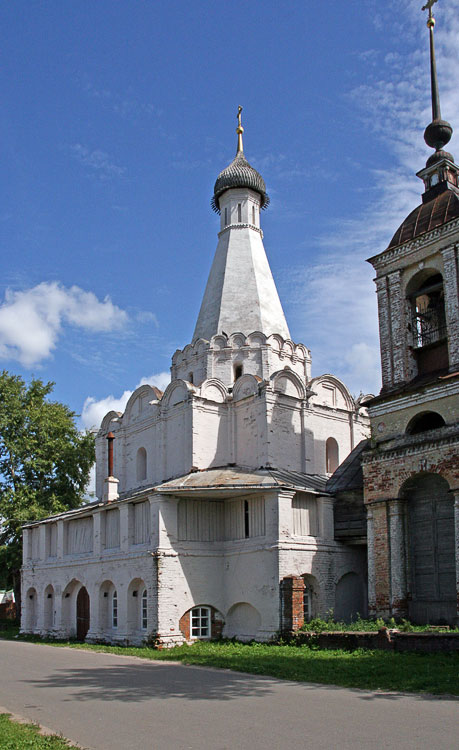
(383, 639)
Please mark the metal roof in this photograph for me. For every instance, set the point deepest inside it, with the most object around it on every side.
(349, 475)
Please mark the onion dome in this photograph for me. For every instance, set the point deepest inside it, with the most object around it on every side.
(442, 208)
(239, 174)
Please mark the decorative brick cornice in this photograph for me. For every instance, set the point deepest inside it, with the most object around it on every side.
(241, 226)
(380, 454)
(402, 251)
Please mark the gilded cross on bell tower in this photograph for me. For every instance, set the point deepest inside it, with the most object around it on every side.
(239, 131)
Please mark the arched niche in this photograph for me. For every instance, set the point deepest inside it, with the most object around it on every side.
(48, 608)
(349, 597)
(243, 621)
(219, 342)
(256, 339)
(331, 455)
(141, 464)
(135, 607)
(31, 609)
(424, 421)
(431, 553)
(237, 340)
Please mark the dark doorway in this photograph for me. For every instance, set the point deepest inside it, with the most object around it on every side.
(82, 614)
(431, 559)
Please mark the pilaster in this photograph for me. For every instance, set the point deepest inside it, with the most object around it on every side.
(398, 584)
(60, 540)
(451, 291)
(124, 527)
(456, 527)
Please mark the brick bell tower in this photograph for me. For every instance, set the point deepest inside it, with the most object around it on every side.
(411, 471)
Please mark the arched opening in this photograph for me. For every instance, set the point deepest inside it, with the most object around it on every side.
(428, 420)
(431, 555)
(69, 596)
(243, 622)
(137, 612)
(48, 608)
(82, 614)
(310, 597)
(141, 464)
(349, 598)
(331, 455)
(428, 322)
(108, 607)
(31, 609)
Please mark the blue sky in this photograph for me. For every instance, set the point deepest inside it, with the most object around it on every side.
(116, 118)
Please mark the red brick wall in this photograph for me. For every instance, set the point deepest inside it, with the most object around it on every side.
(292, 588)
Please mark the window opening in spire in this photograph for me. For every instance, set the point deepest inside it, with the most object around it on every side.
(239, 213)
(253, 214)
(226, 217)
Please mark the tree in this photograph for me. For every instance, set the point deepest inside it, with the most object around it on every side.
(44, 464)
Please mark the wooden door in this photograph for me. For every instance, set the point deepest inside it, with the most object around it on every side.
(82, 614)
(432, 551)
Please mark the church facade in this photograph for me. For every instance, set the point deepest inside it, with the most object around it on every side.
(212, 515)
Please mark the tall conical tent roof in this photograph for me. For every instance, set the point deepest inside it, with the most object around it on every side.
(240, 294)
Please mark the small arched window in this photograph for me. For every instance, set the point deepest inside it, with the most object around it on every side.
(331, 455)
(237, 371)
(239, 212)
(141, 464)
(307, 601)
(200, 622)
(143, 610)
(253, 214)
(114, 610)
(428, 420)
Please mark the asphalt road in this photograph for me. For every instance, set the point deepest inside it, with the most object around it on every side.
(107, 702)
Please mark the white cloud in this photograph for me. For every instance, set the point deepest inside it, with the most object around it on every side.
(94, 411)
(32, 320)
(334, 300)
(97, 161)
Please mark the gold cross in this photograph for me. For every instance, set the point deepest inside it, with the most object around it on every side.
(239, 109)
(428, 6)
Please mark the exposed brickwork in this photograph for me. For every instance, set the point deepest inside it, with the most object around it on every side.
(216, 624)
(292, 588)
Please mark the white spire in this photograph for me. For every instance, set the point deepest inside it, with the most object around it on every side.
(240, 294)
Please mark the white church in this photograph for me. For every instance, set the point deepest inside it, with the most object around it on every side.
(212, 516)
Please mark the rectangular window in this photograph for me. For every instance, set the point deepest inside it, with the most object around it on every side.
(35, 543)
(253, 214)
(112, 529)
(79, 536)
(239, 212)
(144, 611)
(245, 518)
(115, 610)
(226, 217)
(305, 517)
(52, 539)
(200, 521)
(141, 523)
(200, 622)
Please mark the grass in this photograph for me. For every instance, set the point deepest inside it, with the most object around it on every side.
(373, 670)
(16, 736)
(319, 625)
